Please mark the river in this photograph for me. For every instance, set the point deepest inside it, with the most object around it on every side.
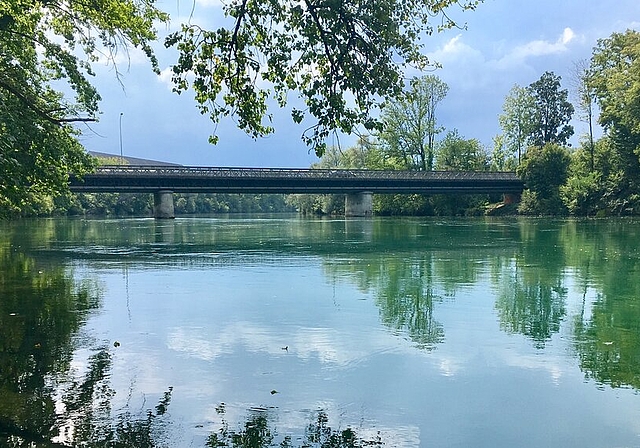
(283, 331)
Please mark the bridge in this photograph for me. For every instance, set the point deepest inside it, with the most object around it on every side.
(357, 185)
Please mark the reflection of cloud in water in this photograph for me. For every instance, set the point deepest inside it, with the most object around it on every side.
(456, 363)
(324, 344)
(327, 346)
(449, 366)
(334, 349)
(144, 371)
(532, 362)
(196, 342)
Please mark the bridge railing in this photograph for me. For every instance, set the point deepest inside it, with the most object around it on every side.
(196, 171)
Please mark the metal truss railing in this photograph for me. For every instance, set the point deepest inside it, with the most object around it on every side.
(295, 173)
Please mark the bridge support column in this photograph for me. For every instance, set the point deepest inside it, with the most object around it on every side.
(358, 204)
(163, 205)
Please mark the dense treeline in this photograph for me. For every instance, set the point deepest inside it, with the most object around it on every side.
(408, 141)
(373, 156)
(141, 204)
(601, 177)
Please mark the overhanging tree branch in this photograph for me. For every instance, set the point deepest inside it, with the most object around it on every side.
(30, 104)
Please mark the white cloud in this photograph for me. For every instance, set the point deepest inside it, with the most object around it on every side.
(463, 65)
(210, 3)
(165, 77)
(457, 55)
(537, 48)
(456, 51)
(567, 35)
(470, 69)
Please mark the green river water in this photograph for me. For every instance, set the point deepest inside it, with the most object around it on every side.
(281, 331)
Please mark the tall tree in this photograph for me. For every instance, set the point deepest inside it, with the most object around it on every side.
(47, 47)
(410, 125)
(341, 57)
(615, 77)
(502, 158)
(516, 119)
(552, 111)
(584, 100)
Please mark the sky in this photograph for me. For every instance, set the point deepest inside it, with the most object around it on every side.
(506, 42)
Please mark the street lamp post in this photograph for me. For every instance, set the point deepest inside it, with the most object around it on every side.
(121, 156)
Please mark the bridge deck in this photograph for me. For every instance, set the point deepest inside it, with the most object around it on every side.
(130, 178)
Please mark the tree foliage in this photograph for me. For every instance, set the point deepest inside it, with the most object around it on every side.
(615, 77)
(36, 157)
(552, 111)
(517, 120)
(340, 57)
(585, 101)
(502, 158)
(604, 174)
(544, 169)
(456, 153)
(47, 47)
(410, 124)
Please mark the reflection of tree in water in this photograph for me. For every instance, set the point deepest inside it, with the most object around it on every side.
(406, 299)
(608, 341)
(260, 432)
(44, 402)
(42, 309)
(607, 346)
(420, 263)
(531, 295)
(606, 330)
(89, 420)
(404, 289)
(533, 308)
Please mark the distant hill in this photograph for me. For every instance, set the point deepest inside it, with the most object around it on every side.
(131, 160)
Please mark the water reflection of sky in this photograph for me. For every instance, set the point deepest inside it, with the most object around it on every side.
(218, 334)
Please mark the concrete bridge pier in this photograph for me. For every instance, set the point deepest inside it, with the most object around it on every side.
(163, 205)
(358, 204)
